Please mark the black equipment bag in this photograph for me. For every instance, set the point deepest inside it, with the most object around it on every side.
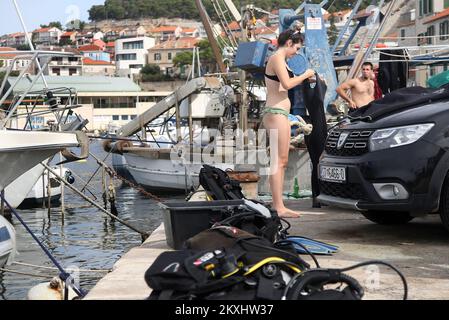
(219, 185)
(254, 223)
(248, 247)
(186, 274)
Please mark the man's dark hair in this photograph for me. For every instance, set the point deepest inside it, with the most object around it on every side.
(290, 34)
(368, 64)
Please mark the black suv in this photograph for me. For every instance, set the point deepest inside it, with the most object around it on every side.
(394, 166)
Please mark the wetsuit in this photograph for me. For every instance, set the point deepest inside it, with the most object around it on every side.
(314, 101)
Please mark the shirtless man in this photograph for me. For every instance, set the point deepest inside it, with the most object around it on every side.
(362, 88)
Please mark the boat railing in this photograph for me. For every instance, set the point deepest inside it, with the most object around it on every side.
(51, 96)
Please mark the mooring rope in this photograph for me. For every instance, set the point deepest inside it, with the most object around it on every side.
(52, 268)
(144, 234)
(26, 273)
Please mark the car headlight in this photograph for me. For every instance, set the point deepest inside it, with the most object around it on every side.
(396, 137)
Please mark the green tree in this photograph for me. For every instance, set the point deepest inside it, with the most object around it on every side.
(23, 47)
(207, 57)
(183, 59)
(65, 42)
(97, 13)
(53, 24)
(152, 72)
(132, 9)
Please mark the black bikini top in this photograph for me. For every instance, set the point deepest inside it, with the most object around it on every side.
(276, 78)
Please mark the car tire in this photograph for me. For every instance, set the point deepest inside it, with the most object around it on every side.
(444, 205)
(387, 217)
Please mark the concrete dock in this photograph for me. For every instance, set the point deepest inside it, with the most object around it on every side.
(420, 249)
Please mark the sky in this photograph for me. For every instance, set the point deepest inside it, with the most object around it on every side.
(37, 12)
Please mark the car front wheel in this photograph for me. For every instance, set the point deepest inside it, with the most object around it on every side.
(387, 217)
(444, 205)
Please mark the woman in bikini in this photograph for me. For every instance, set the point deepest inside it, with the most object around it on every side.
(279, 79)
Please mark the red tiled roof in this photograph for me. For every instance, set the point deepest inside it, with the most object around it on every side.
(7, 55)
(100, 43)
(181, 43)
(438, 16)
(336, 14)
(164, 29)
(110, 44)
(41, 30)
(189, 30)
(89, 47)
(67, 33)
(16, 34)
(89, 61)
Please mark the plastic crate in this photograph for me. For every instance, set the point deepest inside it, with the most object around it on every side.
(183, 220)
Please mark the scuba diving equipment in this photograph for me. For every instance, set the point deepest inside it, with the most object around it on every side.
(312, 246)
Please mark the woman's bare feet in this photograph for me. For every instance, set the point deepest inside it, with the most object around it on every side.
(287, 213)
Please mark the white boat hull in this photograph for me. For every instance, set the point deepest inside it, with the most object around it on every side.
(22, 150)
(17, 191)
(165, 174)
(39, 193)
(7, 242)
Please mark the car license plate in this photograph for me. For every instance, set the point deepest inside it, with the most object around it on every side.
(334, 174)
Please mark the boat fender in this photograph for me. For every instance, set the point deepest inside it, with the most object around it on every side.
(53, 290)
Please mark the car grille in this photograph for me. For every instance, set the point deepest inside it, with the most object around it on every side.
(343, 190)
(356, 144)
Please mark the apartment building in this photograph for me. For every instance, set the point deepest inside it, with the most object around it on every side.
(94, 52)
(97, 67)
(164, 53)
(47, 36)
(133, 32)
(131, 54)
(63, 65)
(68, 37)
(16, 39)
(8, 59)
(163, 33)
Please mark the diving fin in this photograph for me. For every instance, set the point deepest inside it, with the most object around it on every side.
(312, 241)
(313, 246)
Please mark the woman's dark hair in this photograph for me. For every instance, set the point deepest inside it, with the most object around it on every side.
(294, 36)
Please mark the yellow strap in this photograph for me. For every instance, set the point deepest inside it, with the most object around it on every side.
(269, 260)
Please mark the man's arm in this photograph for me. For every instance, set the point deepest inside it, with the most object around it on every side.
(342, 89)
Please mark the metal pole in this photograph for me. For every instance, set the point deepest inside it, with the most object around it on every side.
(43, 190)
(96, 205)
(62, 190)
(244, 107)
(178, 121)
(16, 106)
(345, 28)
(48, 195)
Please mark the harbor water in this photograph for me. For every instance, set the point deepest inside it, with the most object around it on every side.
(84, 239)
